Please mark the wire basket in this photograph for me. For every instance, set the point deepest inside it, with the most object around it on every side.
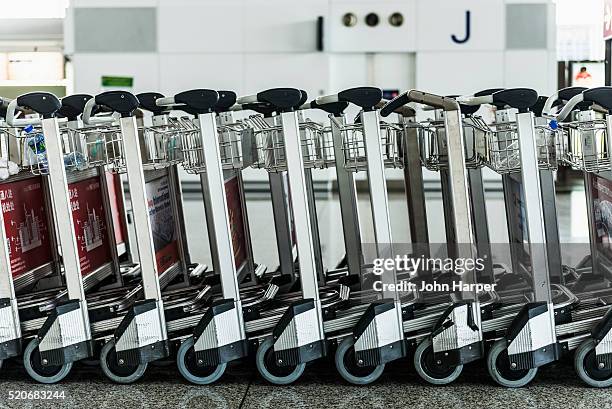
(353, 145)
(433, 143)
(10, 152)
(325, 147)
(230, 145)
(503, 152)
(33, 149)
(161, 145)
(270, 145)
(102, 145)
(583, 145)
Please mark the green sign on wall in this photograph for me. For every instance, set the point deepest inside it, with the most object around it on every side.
(123, 82)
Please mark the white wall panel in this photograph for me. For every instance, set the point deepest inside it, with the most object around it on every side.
(394, 71)
(347, 70)
(459, 72)
(180, 72)
(531, 69)
(201, 26)
(361, 37)
(89, 69)
(114, 3)
(439, 20)
(282, 25)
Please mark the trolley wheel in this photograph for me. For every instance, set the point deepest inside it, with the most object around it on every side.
(434, 372)
(587, 366)
(271, 371)
(500, 370)
(349, 370)
(48, 374)
(124, 374)
(191, 371)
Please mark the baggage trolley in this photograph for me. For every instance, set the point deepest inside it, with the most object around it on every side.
(63, 333)
(456, 336)
(219, 336)
(522, 148)
(583, 129)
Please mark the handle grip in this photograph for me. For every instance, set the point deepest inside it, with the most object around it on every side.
(122, 102)
(227, 99)
(283, 99)
(601, 96)
(334, 108)
(364, 97)
(431, 100)
(90, 109)
(148, 101)
(303, 99)
(73, 105)
(200, 101)
(263, 108)
(165, 101)
(519, 98)
(564, 94)
(43, 103)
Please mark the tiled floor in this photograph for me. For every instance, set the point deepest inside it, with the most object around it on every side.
(320, 387)
(556, 386)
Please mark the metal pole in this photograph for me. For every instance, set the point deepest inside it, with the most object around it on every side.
(63, 216)
(140, 210)
(222, 245)
(299, 203)
(533, 206)
(348, 202)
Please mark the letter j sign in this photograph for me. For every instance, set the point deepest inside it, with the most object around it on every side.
(465, 36)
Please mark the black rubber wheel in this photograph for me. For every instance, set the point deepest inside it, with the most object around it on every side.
(269, 368)
(124, 374)
(501, 370)
(589, 368)
(434, 371)
(347, 367)
(48, 374)
(191, 371)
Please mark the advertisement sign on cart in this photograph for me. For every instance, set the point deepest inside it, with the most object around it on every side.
(163, 223)
(25, 222)
(90, 226)
(236, 219)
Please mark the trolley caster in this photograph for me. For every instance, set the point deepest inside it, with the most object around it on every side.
(349, 370)
(191, 371)
(500, 368)
(124, 374)
(48, 374)
(589, 368)
(269, 368)
(434, 372)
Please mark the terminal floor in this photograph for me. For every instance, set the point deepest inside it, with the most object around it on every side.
(320, 387)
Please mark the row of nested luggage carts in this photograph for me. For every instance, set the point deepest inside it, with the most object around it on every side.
(74, 288)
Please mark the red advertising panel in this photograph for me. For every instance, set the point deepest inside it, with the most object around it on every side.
(607, 29)
(602, 210)
(25, 221)
(113, 184)
(236, 219)
(90, 226)
(163, 223)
